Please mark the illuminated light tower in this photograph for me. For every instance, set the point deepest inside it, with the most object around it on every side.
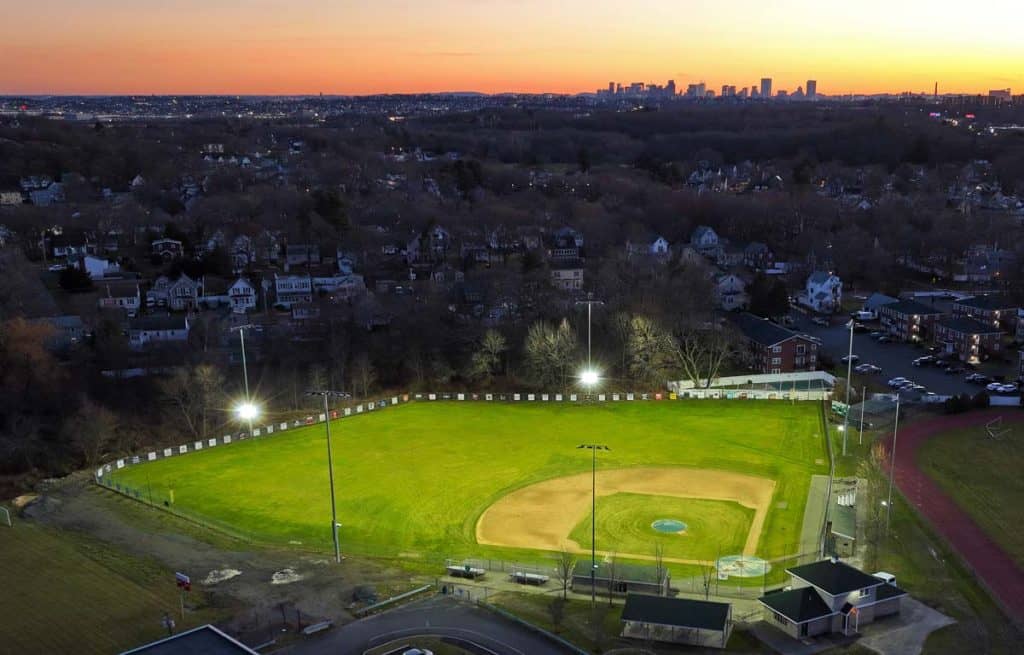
(589, 377)
(593, 448)
(246, 411)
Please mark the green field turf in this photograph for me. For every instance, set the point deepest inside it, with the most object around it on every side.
(63, 593)
(713, 527)
(983, 476)
(413, 480)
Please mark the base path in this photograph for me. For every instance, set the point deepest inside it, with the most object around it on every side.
(541, 516)
(996, 570)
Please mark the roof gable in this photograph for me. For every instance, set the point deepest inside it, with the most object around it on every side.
(834, 577)
(679, 612)
(797, 605)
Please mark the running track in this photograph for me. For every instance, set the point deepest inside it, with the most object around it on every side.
(993, 566)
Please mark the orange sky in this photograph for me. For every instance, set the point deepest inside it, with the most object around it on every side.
(372, 46)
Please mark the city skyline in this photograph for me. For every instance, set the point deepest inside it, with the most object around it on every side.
(117, 47)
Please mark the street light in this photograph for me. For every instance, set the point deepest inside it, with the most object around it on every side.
(247, 411)
(589, 377)
(849, 383)
(892, 468)
(593, 447)
(327, 393)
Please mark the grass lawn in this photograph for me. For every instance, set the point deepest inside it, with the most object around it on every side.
(984, 477)
(64, 593)
(413, 480)
(713, 527)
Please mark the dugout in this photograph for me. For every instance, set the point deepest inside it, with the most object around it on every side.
(677, 620)
(628, 578)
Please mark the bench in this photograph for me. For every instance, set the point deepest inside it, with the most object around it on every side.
(317, 627)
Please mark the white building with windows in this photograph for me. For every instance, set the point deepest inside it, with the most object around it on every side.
(291, 289)
(242, 296)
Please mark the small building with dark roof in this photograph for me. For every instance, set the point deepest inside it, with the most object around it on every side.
(908, 320)
(830, 596)
(995, 309)
(621, 579)
(970, 340)
(775, 349)
(204, 640)
(677, 620)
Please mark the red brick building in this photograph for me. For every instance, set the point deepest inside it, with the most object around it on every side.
(993, 309)
(971, 340)
(775, 349)
(908, 320)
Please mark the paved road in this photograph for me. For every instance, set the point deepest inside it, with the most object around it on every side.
(993, 566)
(435, 616)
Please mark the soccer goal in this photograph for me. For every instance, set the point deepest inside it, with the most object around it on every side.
(996, 430)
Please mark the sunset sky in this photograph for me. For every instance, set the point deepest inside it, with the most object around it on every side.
(374, 46)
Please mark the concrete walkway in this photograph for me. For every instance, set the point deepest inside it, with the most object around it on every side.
(904, 634)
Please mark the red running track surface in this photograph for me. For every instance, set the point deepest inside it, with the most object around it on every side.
(997, 570)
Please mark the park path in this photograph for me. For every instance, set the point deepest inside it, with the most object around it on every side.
(993, 566)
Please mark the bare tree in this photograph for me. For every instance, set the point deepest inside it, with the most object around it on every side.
(649, 351)
(659, 560)
(487, 360)
(612, 566)
(550, 352)
(91, 430)
(194, 394)
(556, 608)
(364, 375)
(700, 353)
(565, 564)
(707, 574)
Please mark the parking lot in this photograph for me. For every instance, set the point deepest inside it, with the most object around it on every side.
(895, 359)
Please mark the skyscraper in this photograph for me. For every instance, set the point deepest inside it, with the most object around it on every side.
(812, 89)
(766, 87)
(611, 88)
(670, 88)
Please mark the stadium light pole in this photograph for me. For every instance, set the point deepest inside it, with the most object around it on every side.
(593, 447)
(326, 394)
(248, 412)
(892, 467)
(849, 382)
(589, 376)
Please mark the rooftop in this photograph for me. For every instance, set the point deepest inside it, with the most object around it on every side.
(153, 323)
(797, 605)
(987, 302)
(204, 640)
(761, 330)
(677, 612)
(834, 577)
(911, 307)
(624, 572)
(968, 325)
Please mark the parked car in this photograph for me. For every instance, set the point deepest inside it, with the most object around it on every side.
(954, 370)
(860, 328)
(1008, 387)
(994, 386)
(885, 339)
(923, 361)
(977, 378)
(897, 381)
(818, 320)
(868, 368)
(876, 334)
(850, 358)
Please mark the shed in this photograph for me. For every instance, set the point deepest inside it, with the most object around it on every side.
(677, 620)
(204, 640)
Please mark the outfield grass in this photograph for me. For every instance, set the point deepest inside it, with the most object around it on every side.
(413, 480)
(983, 476)
(64, 593)
(713, 527)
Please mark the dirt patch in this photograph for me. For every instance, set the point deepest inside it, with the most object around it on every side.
(542, 515)
(220, 575)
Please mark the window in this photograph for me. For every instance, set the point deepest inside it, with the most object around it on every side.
(865, 592)
(776, 360)
(801, 349)
(780, 619)
(776, 349)
(776, 371)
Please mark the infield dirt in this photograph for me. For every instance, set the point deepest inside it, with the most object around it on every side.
(541, 516)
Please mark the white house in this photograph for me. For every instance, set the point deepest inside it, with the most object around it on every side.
(657, 246)
(340, 284)
(291, 289)
(705, 240)
(567, 276)
(120, 294)
(731, 292)
(823, 293)
(242, 296)
(168, 249)
(99, 268)
(151, 330)
(178, 295)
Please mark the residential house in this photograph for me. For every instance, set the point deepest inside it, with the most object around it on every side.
(994, 309)
(757, 256)
(120, 294)
(213, 292)
(68, 331)
(301, 255)
(99, 268)
(705, 240)
(167, 249)
(775, 349)
(830, 596)
(291, 289)
(909, 320)
(729, 256)
(342, 285)
(875, 302)
(567, 275)
(64, 244)
(432, 245)
(179, 295)
(823, 293)
(242, 296)
(49, 195)
(155, 330)
(972, 341)
(565, 243)
(654, 246)
(243, 253)
(731, 292)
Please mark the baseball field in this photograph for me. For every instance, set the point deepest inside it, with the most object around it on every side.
(507, 480)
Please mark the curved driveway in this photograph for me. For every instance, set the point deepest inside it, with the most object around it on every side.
(440, 616)
(996, 570)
